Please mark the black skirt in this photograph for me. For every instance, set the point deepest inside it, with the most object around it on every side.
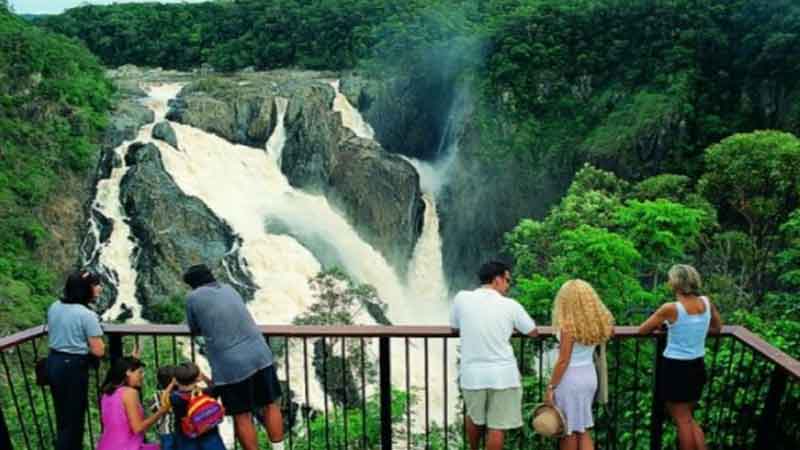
(680, 381)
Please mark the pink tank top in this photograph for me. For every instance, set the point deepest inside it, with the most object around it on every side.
(117, 433)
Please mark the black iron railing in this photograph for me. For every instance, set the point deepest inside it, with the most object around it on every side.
(381, 387)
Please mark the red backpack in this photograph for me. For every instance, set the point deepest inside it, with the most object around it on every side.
(203, 413)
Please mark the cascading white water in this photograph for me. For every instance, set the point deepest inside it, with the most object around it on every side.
(244, 186)
(425, 294)
(351, 118)
(277, 140)
(426, 281)
(116, 254)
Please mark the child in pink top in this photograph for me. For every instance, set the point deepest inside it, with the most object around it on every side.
(123, 418)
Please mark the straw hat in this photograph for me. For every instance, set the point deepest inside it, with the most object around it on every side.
(548, 420)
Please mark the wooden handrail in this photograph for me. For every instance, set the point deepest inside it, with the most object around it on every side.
(755, 342)
(21, 336)
(759, 345)
(411, 331)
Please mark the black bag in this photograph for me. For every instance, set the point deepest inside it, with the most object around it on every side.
(41, 372)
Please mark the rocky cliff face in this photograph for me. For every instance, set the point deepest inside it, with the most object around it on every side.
(481, 198)
(173, 230)
(378, 192)
(409, 115)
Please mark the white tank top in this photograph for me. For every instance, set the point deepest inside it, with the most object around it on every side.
(581, 354)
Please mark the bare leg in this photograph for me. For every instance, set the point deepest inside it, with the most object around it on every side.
(474, 433)
(699, 437)
(585, 441)
(273, 421)
(494, 439)
(245, 431)
(682, 415)
(569, 442)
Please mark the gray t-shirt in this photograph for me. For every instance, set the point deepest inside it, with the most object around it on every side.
(69, 327)
(236, 347)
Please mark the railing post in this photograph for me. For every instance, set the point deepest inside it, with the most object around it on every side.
(115, 347)
(657, 411)
(766, 436)
(386, 393)
(5, 437)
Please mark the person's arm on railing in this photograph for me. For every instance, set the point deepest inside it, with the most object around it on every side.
(663, 314)
(94, 334)
(564, 355)
(716, 321)
(524, 324)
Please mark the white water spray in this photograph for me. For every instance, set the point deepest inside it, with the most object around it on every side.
(351, 118)
(244, 186)
(116, 254)
(277, 140)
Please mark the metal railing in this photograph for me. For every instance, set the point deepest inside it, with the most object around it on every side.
(366, 387)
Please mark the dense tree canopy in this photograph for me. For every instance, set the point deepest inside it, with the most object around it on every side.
(53, 100)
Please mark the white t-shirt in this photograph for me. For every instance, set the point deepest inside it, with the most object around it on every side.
(486, 320)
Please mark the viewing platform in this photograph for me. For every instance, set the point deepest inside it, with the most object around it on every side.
(751, 399)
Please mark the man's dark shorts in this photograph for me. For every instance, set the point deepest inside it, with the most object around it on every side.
(251, 394)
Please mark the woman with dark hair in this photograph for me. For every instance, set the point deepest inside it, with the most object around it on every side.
(73, 333)
(121, 408)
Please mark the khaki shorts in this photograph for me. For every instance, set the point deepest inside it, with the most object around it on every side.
(499, 409)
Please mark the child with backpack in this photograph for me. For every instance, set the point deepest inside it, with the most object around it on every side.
(197, 415)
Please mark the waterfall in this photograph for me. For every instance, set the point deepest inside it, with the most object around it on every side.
(426, 280)
(245, 187)
(277, 140)
(425, 292)
(351, 118)
(116, 253)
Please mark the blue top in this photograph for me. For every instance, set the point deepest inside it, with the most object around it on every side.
(686, 338)
(235, 346)
(69, 327)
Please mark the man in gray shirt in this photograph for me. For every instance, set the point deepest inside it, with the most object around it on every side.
(241, 361)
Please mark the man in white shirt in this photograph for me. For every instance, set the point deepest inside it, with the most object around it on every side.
(490, 380)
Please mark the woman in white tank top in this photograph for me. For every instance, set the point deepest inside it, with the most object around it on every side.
(582, 322)
(681, 368)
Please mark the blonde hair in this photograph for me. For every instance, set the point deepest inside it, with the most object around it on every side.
(579, 311)
(684, 279)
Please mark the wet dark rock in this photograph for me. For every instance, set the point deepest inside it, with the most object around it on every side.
(377, 192)
(174, 231)
(164, 132)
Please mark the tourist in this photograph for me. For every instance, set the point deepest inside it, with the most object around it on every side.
(681, 368)
(241, 361)
(75, 341)
(121, 411)
(488, 373)
(581, 322)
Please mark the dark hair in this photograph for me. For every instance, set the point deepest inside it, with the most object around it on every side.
(117, 373)
(198, 275)
(186, 373)
(164, 376)
(78, 288)
(491, 270)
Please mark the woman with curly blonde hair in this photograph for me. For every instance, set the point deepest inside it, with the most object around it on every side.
(581, 322)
